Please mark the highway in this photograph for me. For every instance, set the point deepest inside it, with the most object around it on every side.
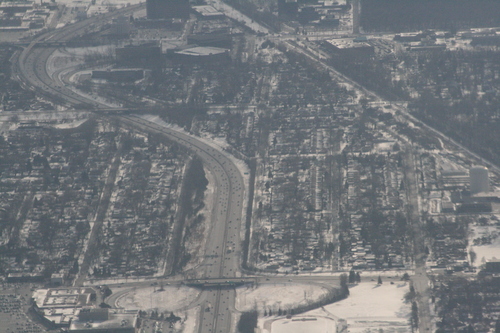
(223, 243)
(31, 63)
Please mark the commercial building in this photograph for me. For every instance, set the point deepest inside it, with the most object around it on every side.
(207, 13)
(25, 277)
(57, 279)
(167, 9)
(59, 306)
(350, 48)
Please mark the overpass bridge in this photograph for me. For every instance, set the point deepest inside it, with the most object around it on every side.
(223, 283)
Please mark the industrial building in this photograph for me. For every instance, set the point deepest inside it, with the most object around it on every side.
(454, 178)
(479, 180)
(167, 9)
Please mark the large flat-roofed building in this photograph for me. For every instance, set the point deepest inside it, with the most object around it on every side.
(206, 12)
(200, 54)
(454, 178)
(350, 48)
(167, 9)
(15, 6)
(59, 306)
(25, 277)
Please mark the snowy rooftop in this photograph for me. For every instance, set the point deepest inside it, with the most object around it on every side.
(202, 51)
(347, 43)
(207, 11)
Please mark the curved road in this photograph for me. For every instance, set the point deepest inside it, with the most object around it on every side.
(31, 64)
(223, 244)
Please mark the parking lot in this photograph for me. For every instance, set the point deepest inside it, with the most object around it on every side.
(14, 302)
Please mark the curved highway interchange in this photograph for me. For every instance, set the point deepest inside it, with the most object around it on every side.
(224, 240)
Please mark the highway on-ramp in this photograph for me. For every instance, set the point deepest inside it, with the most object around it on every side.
(31, 64)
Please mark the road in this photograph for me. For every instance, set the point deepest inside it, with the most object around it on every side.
(223, 243)
(420, 279)
(31, 64)
(31, 69)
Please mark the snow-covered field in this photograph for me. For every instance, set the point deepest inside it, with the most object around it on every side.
(304, 325)
(486, 252)
(369, 308)
(276, 296)
(171, 299)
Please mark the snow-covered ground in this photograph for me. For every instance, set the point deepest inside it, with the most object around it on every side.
(191, 322)
(484, 251)
(369, 308)
(276, 296)
(80, 3)
(216, 143)
(304, 325)
(72, 124)
(171, 299)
